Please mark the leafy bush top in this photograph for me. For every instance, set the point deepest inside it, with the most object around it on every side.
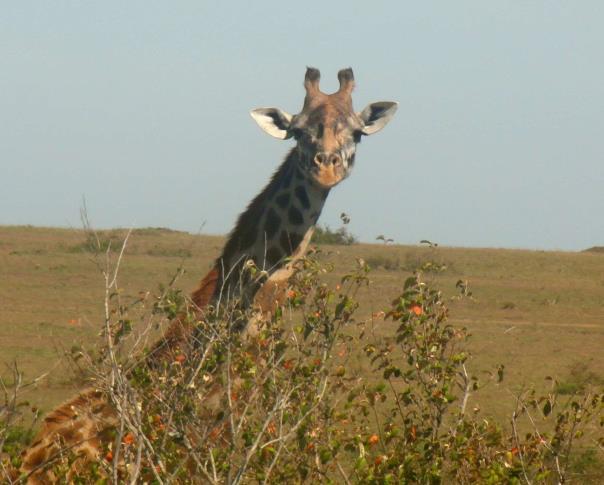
(285, 405)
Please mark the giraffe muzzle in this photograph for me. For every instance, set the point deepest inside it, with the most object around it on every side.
(326, 159)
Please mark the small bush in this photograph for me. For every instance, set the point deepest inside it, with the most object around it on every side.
(426, 260)
(97, 242)
(154, 231)
(568, 388)
(325, 235)
(14, 438)
(384, 262)
(169, 252)
(28, 252)
(586, 466)
(579, 379)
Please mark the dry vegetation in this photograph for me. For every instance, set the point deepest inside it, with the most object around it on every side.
(538, 314)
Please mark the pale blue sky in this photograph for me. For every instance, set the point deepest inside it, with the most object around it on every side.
(142, 107)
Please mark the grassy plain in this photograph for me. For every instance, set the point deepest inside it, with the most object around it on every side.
(538, 313)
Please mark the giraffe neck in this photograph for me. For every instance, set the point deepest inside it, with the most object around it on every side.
(276, 227)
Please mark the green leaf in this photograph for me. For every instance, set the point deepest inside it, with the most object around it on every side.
(325, 455)
(409, 282)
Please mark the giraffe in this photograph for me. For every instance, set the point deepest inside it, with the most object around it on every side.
(271, 234)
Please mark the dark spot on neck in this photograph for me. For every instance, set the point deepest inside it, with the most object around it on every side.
(302, 196)
(282, 200)
(273, 256)
(290, 241)
(271, 226)
(295, 216)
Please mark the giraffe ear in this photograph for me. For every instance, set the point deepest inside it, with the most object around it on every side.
(377, 115)
(273, 120)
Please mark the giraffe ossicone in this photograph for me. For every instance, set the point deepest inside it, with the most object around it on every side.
(273, 231)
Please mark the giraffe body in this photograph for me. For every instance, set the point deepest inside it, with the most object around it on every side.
(270, 234)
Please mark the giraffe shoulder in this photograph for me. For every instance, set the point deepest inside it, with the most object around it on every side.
(88, 401)
(206, 290)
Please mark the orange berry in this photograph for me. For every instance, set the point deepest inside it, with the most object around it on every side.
(373, 439)
(417, 309)
(180, 358)
(128, 439)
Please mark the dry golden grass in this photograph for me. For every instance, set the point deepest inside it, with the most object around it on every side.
(538, 313)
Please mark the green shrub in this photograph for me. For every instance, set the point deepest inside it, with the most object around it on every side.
(97, 242)
(169, 252)
(153, 231)
(426, 260)
(282, 405)
(579, 378)
(384, 262)
(325, 235)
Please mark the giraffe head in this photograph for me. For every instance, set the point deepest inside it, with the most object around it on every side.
(327, 129)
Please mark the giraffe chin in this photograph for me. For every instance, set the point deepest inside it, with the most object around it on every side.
(328, 176)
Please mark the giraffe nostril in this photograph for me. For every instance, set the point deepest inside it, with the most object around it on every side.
(323, 158)
(335, 159)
